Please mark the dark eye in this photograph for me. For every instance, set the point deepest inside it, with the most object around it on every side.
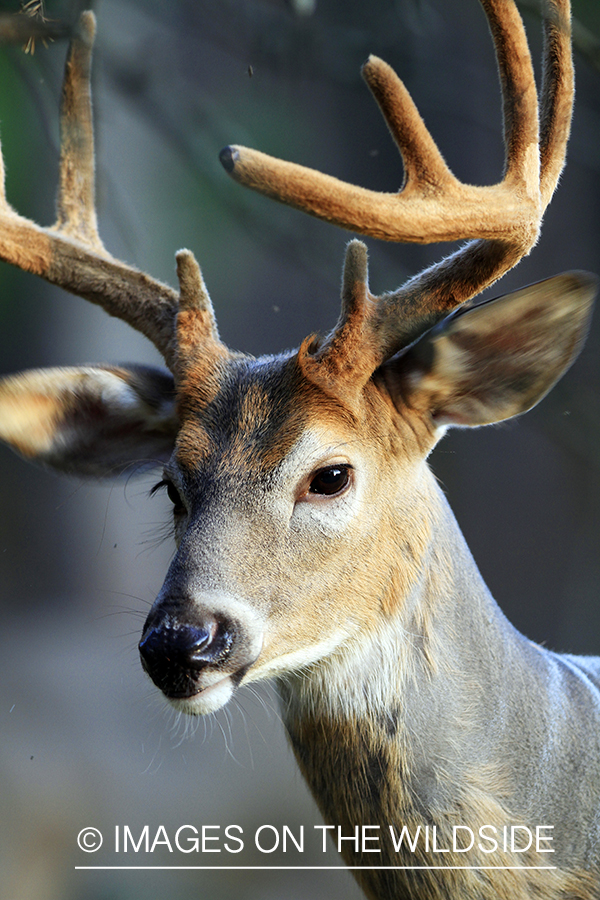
(331, 480)
(173, 495)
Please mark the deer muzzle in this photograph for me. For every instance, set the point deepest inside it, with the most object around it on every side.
(197, 658)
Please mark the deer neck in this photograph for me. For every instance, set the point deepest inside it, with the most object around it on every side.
(403, 713)
(413, 724)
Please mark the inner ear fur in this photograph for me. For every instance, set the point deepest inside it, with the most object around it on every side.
(496, 360)
(90, 420)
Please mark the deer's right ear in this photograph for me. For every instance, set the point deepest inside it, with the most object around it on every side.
(90, 420)
(498, 359)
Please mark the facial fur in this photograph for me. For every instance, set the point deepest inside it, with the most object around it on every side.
(288, 569)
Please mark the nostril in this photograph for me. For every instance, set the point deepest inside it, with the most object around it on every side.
(182, 645)
(174, 653)
(197, 646)
(195, 642)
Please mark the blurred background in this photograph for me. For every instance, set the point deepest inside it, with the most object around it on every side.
(84, 738)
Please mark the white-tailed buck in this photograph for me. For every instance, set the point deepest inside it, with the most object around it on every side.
(314, 545)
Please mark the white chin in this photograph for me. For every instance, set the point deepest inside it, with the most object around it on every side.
(207, 700)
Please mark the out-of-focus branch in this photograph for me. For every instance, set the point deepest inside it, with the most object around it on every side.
(17, 28)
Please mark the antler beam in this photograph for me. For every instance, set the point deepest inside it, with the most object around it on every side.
(502, 221)
(432, 204)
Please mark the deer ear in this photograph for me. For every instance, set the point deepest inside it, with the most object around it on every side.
(90, 420)
(496, 360)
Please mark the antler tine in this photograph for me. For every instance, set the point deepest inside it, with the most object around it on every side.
(70, 254)
(556, 94)
(437, 290)
(519, 97)
(196, 326)
(423, 162)
(196, 349)
(347, 350)
(75, 202)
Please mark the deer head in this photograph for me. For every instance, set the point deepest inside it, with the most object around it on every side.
(303, 506)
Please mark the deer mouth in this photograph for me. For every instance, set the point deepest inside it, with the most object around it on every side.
(206, 699)
(209, 697)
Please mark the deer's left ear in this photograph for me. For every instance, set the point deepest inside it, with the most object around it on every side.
(90, 420)
(496, 360)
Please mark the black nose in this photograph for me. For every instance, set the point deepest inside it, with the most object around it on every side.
(175, 653)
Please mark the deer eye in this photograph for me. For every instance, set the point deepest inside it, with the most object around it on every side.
(174, 497)
(172, 493)
(330, 480)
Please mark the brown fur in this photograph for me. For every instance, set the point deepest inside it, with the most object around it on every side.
(378, 793)
(404, 688)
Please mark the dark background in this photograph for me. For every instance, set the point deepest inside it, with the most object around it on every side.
(85, 740)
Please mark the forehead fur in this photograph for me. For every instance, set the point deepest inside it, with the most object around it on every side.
(254, 411)
(254, 415)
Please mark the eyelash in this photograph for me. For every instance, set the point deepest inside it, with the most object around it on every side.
(173, 494)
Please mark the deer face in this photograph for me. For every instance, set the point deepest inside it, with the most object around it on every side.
(299, 482)
(302, 502)
(304, 507)
(282, 495)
